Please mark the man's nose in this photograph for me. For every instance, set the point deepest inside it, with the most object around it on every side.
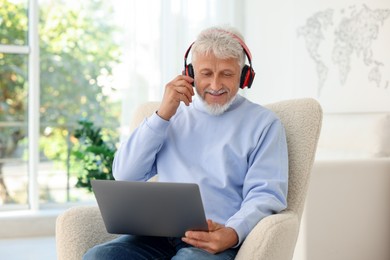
(215, 83)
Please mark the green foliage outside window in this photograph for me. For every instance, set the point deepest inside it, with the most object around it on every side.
(94, 152)
(78, 50)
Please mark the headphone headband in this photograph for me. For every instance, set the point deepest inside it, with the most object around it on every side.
(241, 42)
(186, 54)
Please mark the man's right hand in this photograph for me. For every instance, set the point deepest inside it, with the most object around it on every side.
(179, 89)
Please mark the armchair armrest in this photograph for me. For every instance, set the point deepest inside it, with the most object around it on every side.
(273, 238)
(79, 229)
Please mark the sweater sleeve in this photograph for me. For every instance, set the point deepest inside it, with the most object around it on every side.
(135, 159)
(265, 186)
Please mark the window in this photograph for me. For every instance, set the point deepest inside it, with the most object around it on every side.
(77, 53)
(14, 61)
(95, 60)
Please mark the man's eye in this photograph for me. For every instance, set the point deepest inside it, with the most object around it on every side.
(227, 74)
(206, 74)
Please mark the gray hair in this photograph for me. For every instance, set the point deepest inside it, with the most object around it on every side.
(220, 41)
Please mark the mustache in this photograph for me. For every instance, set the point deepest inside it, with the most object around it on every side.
(216, 92)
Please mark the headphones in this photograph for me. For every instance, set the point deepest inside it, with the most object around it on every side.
(247, 72)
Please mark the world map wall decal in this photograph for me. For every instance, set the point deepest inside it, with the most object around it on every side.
(335, 37)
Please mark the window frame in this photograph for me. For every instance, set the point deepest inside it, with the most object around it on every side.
(33, 104)
(32, 51)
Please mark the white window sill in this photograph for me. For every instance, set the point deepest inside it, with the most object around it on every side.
(28, 223)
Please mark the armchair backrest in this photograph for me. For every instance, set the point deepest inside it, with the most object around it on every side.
(302, 119)
(144, 110)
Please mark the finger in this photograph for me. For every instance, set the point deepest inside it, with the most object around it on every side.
(189, 79)
(184, 96)
(210, 225)
(207, 246)
(181, 94)
(197, 235)
(185, 99)
(213, 226)
(176, 92)
(196, 243)
(182, 80)
(185, 89)
(180, 86)
(186, 82)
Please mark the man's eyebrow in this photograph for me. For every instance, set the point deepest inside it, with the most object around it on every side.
(228, 70)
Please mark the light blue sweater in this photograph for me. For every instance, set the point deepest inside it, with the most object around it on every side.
(239, 159)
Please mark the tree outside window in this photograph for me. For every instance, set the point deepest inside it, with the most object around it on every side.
(78, 50)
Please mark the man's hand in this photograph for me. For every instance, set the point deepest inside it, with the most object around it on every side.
(217, 239)
(179, 89)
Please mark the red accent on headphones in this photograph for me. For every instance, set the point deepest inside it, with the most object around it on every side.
(247, 72)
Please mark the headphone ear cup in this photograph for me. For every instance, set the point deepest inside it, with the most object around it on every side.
(244, 76)
(190, 71)
(251, 77)
(247, 76)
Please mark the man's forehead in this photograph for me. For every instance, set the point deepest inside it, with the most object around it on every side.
(211, 60)
(212, 55)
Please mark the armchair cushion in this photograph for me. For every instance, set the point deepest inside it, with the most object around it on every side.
(77, 230)
(280, 245)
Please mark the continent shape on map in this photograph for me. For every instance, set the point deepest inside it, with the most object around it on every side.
(313, 33)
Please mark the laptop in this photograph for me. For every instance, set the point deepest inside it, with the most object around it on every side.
(150, 208)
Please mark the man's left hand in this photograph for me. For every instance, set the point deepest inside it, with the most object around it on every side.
(217, 239)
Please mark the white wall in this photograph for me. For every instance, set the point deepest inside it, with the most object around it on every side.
(267, 35)
(335, 51)
(346, 213)
(274, 33)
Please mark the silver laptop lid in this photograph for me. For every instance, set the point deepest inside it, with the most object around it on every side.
(150, 208)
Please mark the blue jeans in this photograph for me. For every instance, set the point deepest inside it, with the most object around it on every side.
(147, 248)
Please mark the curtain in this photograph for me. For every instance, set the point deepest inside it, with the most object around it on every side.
(155, 36)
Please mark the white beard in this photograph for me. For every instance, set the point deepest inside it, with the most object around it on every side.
(217, 109)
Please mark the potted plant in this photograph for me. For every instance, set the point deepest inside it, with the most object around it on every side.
(95, 153)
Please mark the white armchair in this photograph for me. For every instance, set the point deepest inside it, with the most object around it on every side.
(274, 237)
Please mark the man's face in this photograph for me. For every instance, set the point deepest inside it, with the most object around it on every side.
(216, 80)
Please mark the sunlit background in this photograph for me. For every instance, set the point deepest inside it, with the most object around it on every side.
(98, 60)
(76, 68)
